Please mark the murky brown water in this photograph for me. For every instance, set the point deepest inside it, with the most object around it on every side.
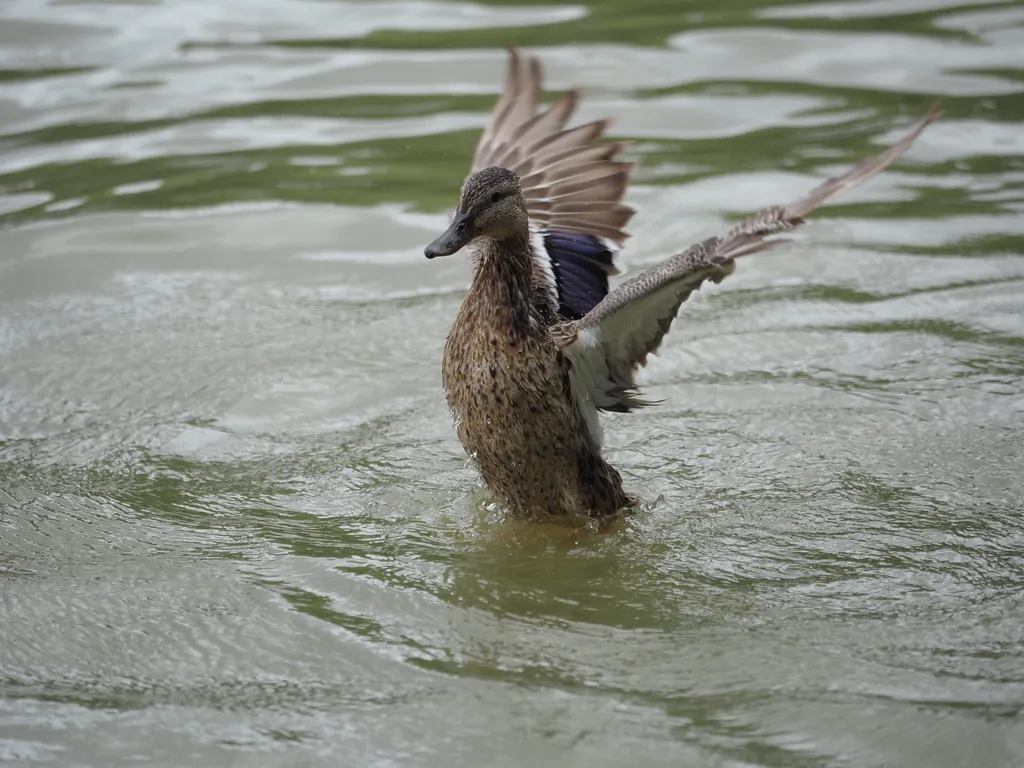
(236, 527)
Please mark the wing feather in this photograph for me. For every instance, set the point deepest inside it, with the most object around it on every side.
(609, 343)
(556, 164)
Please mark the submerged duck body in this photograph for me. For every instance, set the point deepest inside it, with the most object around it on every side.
(540, 344)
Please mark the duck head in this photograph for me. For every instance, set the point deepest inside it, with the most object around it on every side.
(491, 205)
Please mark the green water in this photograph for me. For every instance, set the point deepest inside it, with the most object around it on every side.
(236, 527)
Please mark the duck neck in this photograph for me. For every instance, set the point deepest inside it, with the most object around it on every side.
(504, 274)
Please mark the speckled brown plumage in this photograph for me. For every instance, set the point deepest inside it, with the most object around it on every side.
(508, 386)
(541, 345)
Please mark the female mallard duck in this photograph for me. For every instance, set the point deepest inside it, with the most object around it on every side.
(540, 345)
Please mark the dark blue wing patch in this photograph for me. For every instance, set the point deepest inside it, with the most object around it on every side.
(581, 264)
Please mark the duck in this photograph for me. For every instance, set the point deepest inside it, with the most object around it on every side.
(542, 345)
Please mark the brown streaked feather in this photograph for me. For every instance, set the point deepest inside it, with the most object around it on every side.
(615, 214)
(583, 226)
(594, 185)
(583, 173)
(585, 154)
(571, 138)
(608, 344)
(596, 222)
(545, 123)
(556, 164)
(859, 173)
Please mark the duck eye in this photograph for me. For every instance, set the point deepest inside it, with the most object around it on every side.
(496, 197)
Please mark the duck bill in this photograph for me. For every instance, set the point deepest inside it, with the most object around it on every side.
(454, 239)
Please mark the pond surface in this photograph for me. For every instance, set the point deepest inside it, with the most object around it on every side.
(236, 527)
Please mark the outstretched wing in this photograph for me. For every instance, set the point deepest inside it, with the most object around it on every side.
(572, 183)
(612, 340)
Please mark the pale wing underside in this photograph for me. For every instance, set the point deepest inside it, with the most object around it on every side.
(607, 345)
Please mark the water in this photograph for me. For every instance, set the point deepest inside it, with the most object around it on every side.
(237, 528)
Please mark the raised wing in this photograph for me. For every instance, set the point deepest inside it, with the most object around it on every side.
(610, 342)
(572, 183)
